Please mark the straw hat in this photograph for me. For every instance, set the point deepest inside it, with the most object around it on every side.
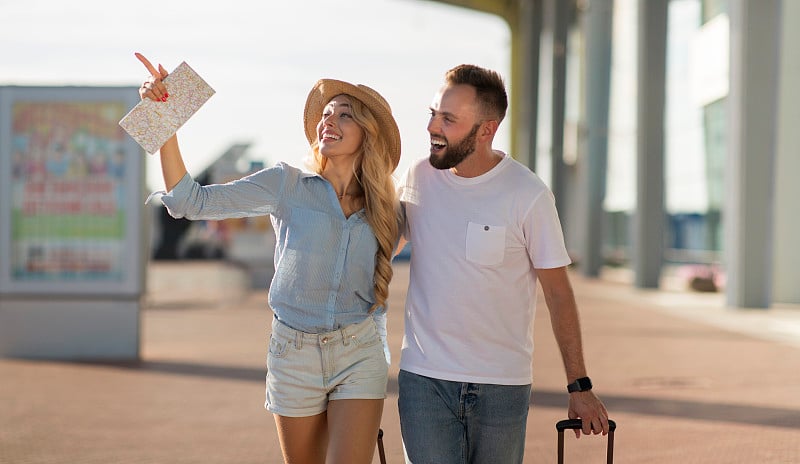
(325, 89)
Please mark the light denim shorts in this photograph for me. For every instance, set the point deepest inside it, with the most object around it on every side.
(305, 371)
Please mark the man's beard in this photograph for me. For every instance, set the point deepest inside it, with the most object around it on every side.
(453, 155)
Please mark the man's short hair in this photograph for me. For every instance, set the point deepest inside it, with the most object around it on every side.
(489, 87)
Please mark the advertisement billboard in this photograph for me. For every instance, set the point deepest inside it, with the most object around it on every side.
(70, 192)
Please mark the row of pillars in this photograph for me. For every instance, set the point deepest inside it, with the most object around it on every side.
(752, 119)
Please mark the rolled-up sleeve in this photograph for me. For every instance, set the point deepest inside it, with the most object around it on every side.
(255, 195)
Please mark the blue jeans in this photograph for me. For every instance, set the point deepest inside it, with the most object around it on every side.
(445, 422)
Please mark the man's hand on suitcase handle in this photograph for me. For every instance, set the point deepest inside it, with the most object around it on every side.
(586, 406)
(573, 424)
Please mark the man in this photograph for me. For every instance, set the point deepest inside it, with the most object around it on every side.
(484, 229)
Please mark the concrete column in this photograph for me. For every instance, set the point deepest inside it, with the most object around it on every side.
(525, 54)
(748, 208)
(649, 216)
(558, 16)
(598, 26)
(787, 188)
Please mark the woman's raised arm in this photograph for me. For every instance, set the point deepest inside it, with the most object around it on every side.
(172, 167)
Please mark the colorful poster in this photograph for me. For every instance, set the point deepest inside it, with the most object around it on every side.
(73, 182)
(67, 210)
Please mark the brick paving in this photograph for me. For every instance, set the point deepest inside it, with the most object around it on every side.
(687, 380)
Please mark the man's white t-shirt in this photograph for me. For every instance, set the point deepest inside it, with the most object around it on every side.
(472, 294)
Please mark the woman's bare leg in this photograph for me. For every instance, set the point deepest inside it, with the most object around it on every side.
(304, 440)
(353, 429)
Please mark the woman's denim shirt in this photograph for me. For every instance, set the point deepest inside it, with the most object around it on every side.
(324, 262)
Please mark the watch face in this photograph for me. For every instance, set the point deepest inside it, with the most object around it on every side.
(582, 384)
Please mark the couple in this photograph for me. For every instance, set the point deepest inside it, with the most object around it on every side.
(484, 230)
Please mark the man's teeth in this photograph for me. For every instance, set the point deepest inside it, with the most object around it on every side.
(438, 143)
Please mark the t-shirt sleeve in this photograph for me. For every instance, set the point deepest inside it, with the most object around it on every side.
(404, 195)
(545, 238)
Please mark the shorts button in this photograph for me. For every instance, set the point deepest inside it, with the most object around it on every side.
(324, 340)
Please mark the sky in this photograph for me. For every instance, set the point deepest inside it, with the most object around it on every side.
(261, 58)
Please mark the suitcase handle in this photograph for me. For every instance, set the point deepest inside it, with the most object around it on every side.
(381, 452)
(575, 424)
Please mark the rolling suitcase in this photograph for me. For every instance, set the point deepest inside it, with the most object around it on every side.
(574, 424)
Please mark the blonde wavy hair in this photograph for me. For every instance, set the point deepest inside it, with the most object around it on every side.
(373, 169)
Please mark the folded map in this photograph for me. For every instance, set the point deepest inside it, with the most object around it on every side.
(152, 123)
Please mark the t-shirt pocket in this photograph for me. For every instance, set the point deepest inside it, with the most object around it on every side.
(486, 244)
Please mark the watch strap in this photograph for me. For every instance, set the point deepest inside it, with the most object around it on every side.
(580, 385)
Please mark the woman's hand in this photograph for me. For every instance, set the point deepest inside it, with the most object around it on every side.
(153, 88)
(172, 166)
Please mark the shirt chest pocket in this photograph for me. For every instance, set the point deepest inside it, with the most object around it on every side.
(486, 244)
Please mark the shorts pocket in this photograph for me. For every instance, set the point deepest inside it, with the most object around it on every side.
(486, 244)
(277, 347)
(369, 337)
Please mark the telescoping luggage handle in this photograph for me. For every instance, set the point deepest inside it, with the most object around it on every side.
(574, 424)
(381, 453)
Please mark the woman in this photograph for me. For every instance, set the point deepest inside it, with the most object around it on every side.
(336, 229)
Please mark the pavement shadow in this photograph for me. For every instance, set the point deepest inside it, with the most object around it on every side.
(649, 406)
(218, 371)
(695, 410)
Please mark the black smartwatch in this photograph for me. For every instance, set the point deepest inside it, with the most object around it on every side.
(581, 385)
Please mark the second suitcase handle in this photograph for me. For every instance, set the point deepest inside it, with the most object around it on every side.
(381, 453)
(574, 424)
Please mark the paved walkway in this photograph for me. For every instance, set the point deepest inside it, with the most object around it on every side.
(687, 381)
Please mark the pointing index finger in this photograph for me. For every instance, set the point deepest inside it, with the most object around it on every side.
(148, 65)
